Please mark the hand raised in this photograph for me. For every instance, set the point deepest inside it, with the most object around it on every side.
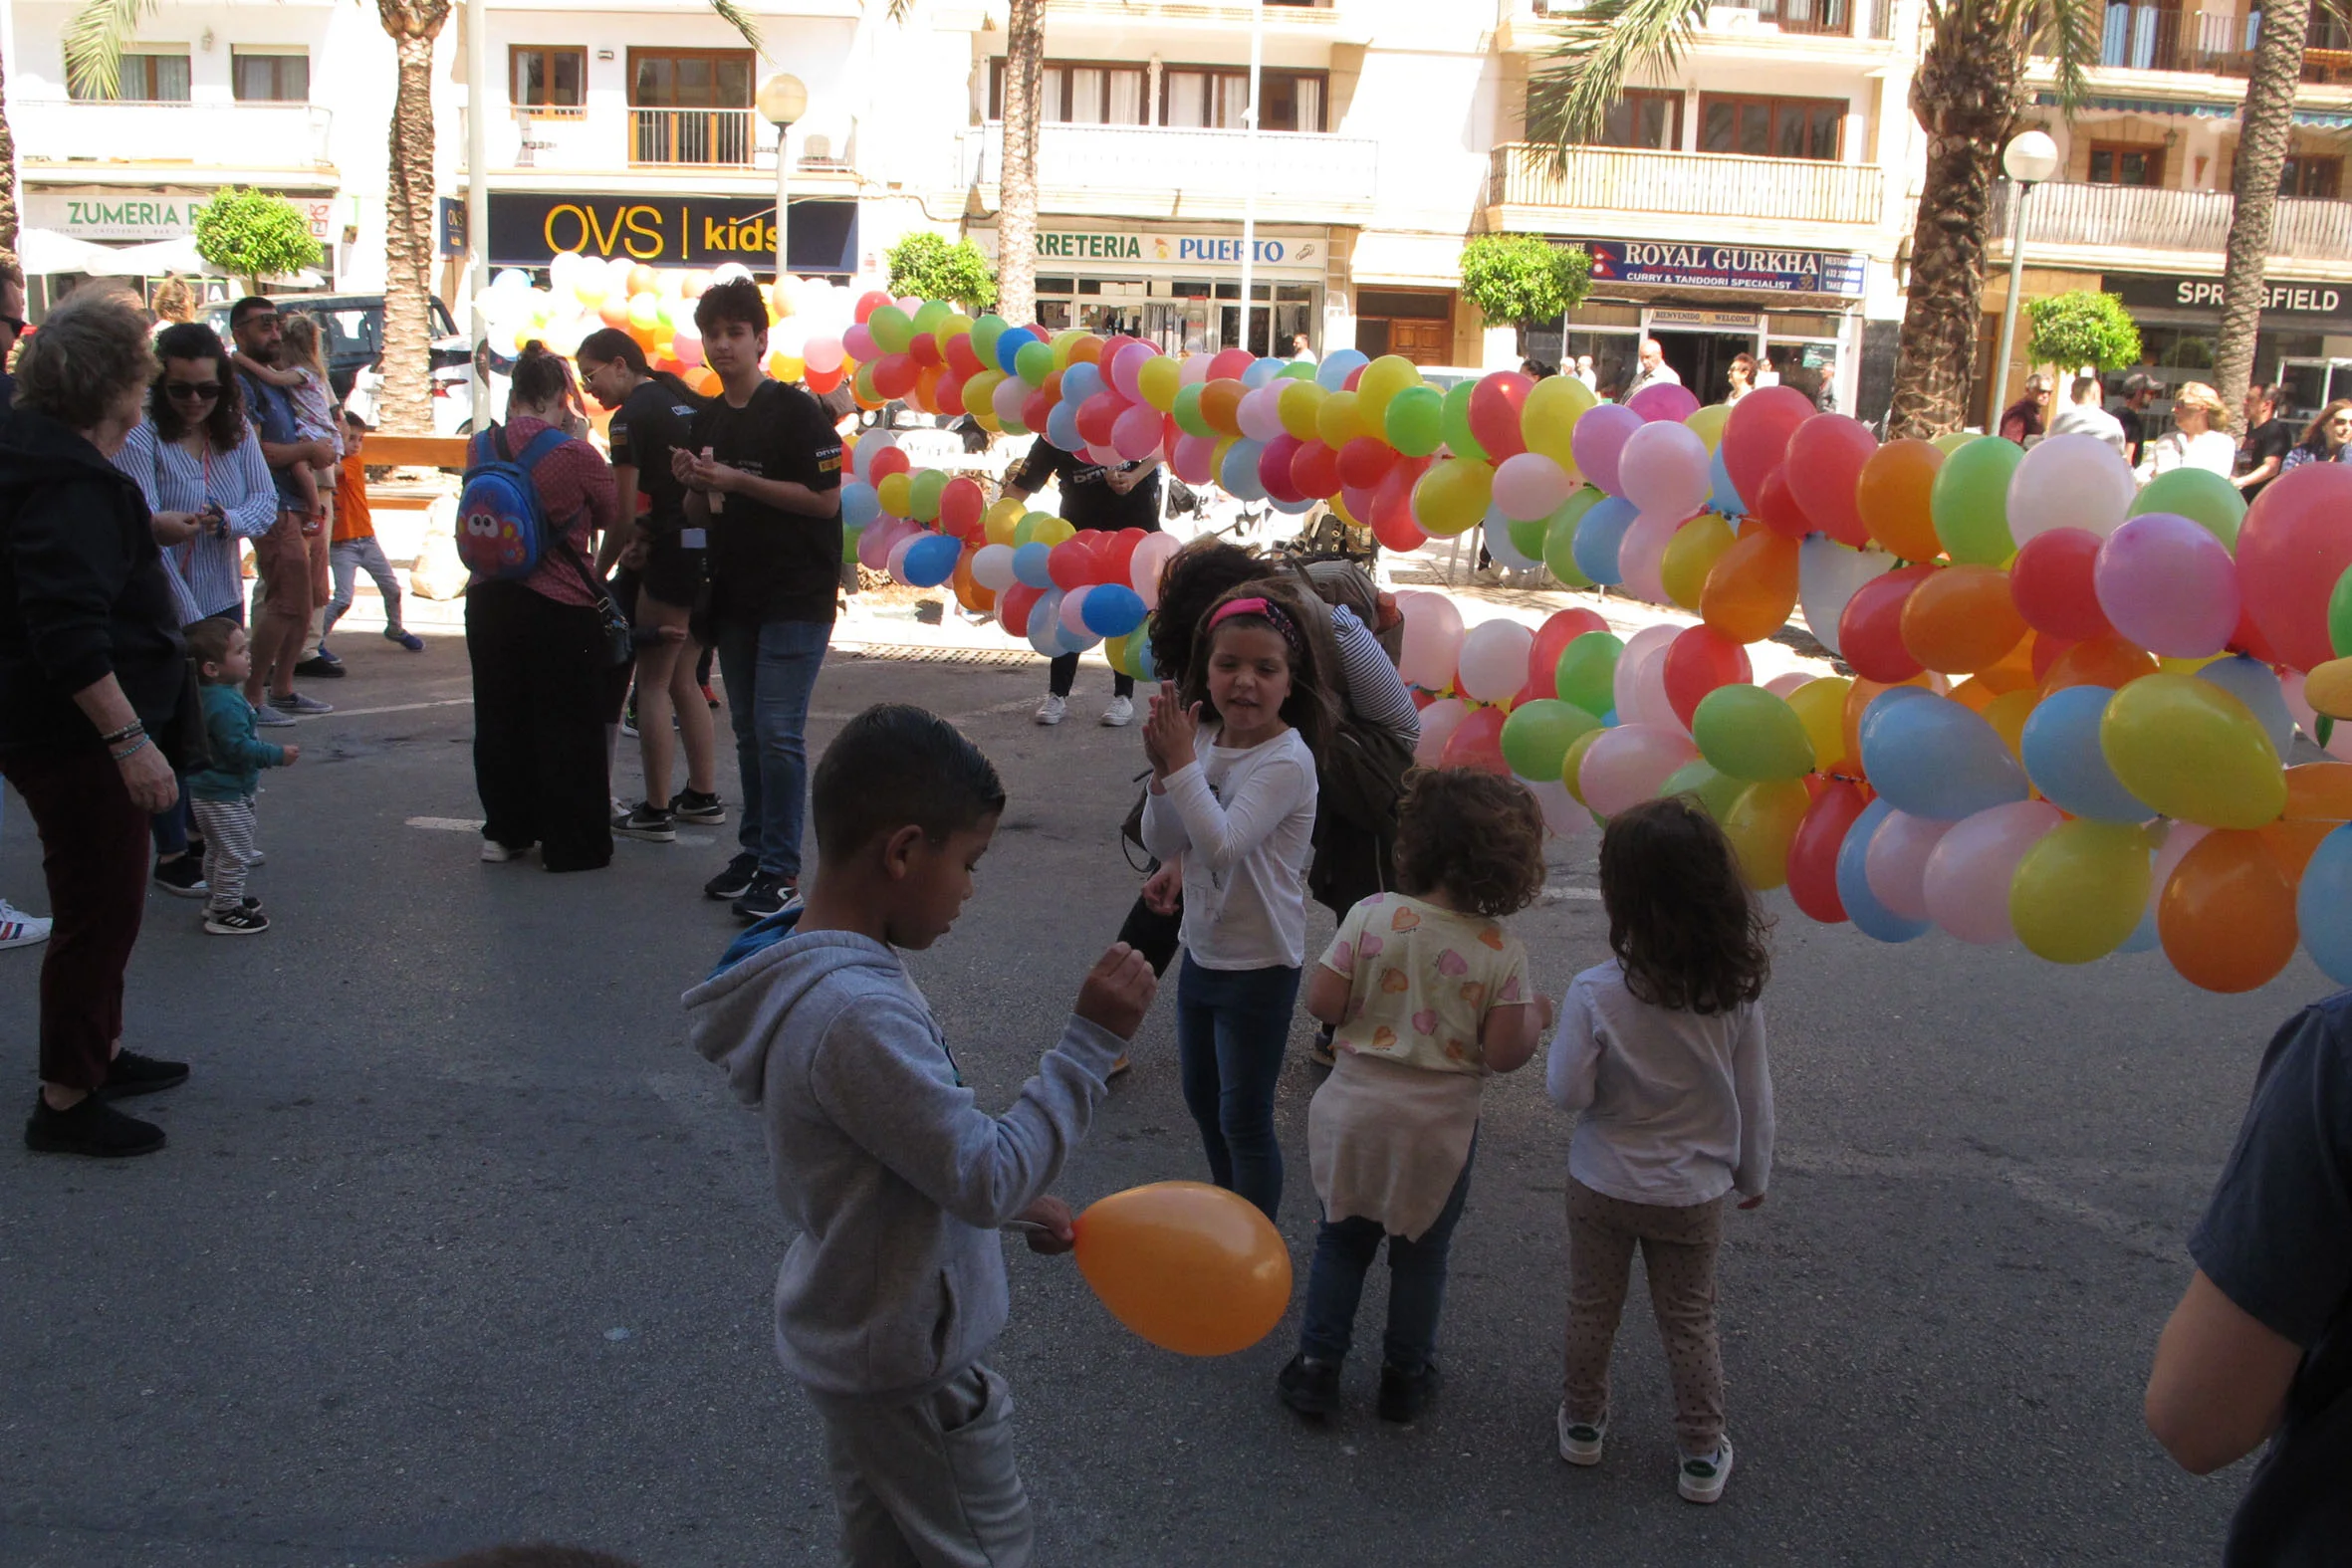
(1049, 1227)
(1117, 991)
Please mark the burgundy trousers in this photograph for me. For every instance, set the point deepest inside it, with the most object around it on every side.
(93, 850)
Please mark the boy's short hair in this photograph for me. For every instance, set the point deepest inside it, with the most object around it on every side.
(736, 300)
(350, 416)
(250, 304)
(208, 640)
(895, 764)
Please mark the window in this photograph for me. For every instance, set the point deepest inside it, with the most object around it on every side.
(2122, 163)
(1832, 17)
(690, 78)
(270, 77)
(1207, 96)
(1082, 95)
(144, 76)
(1651, 121)
(1771, 128)
(2304, 175)
(548, 79)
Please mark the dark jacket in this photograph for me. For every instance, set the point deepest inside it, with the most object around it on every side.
(83, 592)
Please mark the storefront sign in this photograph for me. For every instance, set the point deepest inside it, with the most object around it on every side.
(139, 216)
(1172, 250)
(2307, 301)
(528, 228)
(1705, 321)
(1724, 265)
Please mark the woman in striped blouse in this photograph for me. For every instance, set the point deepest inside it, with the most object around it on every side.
(200, 464)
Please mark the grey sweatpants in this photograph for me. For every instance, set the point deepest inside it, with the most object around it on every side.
(346, 561)
(930, 1483)
(228, 828)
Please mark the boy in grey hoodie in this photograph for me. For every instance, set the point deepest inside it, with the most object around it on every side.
(894, 1288)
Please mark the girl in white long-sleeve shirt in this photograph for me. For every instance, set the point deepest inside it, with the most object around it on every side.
(1241, 812)
(1661, 1054)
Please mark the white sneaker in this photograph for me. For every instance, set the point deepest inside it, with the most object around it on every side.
(1119, 714)
(498, 854)
(1701, 1480)
(1053, 710)
(1578, 1443)
(18, 929)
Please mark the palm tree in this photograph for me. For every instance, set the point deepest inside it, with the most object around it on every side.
(7, 178)
(1968, 95)
(2268, 124)
(1017, 177)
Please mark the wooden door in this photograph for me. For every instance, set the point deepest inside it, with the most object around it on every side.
(1423, 342)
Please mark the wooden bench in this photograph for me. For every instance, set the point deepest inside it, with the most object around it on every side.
(404, 451)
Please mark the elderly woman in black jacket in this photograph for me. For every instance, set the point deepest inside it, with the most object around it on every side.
(92, 676)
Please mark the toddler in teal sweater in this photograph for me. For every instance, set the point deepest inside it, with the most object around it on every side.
(221, 795)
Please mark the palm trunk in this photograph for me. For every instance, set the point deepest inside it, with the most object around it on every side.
(1965, 97)
(1016, 181)
(8, 219)
(409, 219)
(2261, 152)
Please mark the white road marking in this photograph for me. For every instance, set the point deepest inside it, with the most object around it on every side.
(446, 824)
(406, 707)
(1554, 892)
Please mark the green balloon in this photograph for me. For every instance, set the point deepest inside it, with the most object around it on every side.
(2339, 615)
(1034, 362)
(1456, 426)
(928, 486)
(849, 537)
(1717, 792)
(1189, 417)
(1537, 736)
(931, 314)
(1295, 370)
(985, 334)
(1558, 548)
(1748, 732)
(1416, 420)
(2198, 494)
(1588, 672)
(1971, 501)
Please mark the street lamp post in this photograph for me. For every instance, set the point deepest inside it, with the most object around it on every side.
(2027, 161)
(783, 100)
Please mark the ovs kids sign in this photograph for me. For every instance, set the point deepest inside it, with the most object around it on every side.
(530, 228)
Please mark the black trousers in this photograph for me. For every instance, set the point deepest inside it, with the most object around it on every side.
(540, 763)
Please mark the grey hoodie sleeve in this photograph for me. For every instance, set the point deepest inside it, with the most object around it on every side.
(883, 1079)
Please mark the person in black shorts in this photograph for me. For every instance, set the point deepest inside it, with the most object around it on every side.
(653, 412)
(1092, 497)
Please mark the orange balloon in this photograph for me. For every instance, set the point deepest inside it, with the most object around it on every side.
(614, 312)
(2292, 845)
(1961, 619)
(969, 594)
(1220, 402)
(1085, 348)
(1973, 694)
(2105, 660)
(2228, 915)
(704, 380)
(1891, 496)
(643, 280)
(2319, 793)
(2014, 671)
(1191, 1267)
(2008, 713)
(1750, 589)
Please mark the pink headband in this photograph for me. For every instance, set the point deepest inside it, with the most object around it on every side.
(1273, 615)
(1241, 608)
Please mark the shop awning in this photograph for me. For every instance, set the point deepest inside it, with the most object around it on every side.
(44, 251)
(2318, 118)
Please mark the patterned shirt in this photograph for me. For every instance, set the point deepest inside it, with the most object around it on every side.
(1421, 981)
(205, 580)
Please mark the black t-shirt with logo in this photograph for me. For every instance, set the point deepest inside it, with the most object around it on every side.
(1088, 500)
(766, 564)
(648, 424)
(2271, 438)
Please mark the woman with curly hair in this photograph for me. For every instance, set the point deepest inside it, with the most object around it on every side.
(1661, 1056)
(1428, 997)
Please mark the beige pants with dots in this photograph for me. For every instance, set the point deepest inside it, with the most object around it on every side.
(1677, 1252)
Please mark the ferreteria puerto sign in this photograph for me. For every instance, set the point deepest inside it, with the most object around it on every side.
(528, 229)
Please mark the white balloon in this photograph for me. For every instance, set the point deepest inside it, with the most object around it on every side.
(1494, 662)
(1562, 813)
(2070, 481)
(1830, 573)
(1640, 648)
(992, 567)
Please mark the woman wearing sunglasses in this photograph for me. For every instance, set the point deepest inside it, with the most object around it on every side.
(200, 464)
(2329, 438)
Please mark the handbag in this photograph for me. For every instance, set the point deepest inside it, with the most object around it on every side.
(620, 638)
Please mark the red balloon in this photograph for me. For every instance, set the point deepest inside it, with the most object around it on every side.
(1776, 506)
(1365, 461)
(1812, 853)
(1552, 640)
(962, 358)
(1870, 632)
(1035, 408)
(2048, 651)
(1354, 375)
(2051, 582)
(1070, 564)
(1116, 554)
(925, 351)
(1756, 437)
(1826, 458)
(824, 381)
(950, 394)
(1314, 471)
(1391, 519)
(960, 507)
(869, 302)
(2248, 638)
(1697, 662)
(1014, 605)
(1229, 363)
(1477, 741)
(2292, 550)
(889, 460)
(896, 374)
(1494, 403)
(1273, 467)
(1097, 415)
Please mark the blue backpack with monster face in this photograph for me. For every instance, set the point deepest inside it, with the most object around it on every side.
(503, 531)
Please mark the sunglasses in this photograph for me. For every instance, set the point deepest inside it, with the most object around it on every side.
(192, 392)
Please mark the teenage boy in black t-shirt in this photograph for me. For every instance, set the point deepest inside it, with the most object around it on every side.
(764, 477)
(2268, 438)
(1092, 497)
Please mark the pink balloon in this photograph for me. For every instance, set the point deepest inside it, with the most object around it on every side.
(2169, 586)
(1530, 486)
(1432, 641)
(1562, 813)
(824, 354)
(1493, 661)
(1259, 413)
(1625, 765)
(1007, 399)
(1151, 557)
(1641, 649)
(1664, 400)
(1966, 881)
(1601, 435)
(1136, 434)
(1663, 467)
(1438, 723)
(1126, 362)
(1896, 862)
(859, 344)
(1786, 686)
(2339, 742)
(896, 562)
(1477, 741)
(1641, 554)
(1194, 459)
(2292, 549)
(2178, 841)
(1074, 604)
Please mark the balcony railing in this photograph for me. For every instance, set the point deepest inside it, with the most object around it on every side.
(1187, 167)
(693, 136)
(2137, 217)
(2218, 41)
(1822, 18)
(1702, 184)
(213, 136)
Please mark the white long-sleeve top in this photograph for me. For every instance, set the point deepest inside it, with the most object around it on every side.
(1674, 1108)
(203, 571)
(1244, 822)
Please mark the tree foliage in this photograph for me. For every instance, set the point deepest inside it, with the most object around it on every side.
(2082, 327)
(251, 233)
(931, 268)
(1514, 278)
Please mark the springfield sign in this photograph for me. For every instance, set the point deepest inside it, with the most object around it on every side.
(1724, 265)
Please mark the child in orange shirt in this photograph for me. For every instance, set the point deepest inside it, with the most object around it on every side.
(352, 545)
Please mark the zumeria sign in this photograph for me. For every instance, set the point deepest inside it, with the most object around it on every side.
(1724, 265)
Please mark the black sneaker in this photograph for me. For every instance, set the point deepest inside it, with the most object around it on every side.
(646, 822)
(182, 879)
(91, 1127)
(734, 881)
(766, 896)
(1320, 1051)
(1405, 1394)
(1311, 1388)
(130, 1073)
(236, 922)
(692, 806)
(320, 667)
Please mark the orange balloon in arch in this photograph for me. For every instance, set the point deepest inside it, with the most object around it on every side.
(2228, 915)
(969, 594)
(2319, 793)
(1221, 403)
(643, 280)
(2292, 845)
(704, 380)
(2014, 670)
(1751, 589)
(1085, 348)
(1961, 619)
(1891, 496)
(1191, 1267)
(2105, 660)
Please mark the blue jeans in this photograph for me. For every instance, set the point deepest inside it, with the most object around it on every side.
(1343, 1251)
(771, 670)
(1232, 1026)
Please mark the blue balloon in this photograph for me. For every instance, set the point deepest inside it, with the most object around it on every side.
(1239, 476)
(931, 561)
(1722, 495)
(1112, 610)
(1930, 756)
(2323, 906)
(1292, 509)
(2144, 938)
(1009, 349)
(1044, 627)
(1140, 652)
(1608, 720)
(1080, 381)
(1870, 917)
(1341, 363)
(1030, 564)
(2255, 684)
(1062, 427)
(2063, 758)
(1262, 372)
(1600, 532)
(860, 504)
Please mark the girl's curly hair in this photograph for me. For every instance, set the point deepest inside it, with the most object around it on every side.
(1195, 578)
(1686, 931)
(1476, 834)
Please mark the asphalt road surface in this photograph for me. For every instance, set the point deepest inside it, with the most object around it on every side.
(455, 1243)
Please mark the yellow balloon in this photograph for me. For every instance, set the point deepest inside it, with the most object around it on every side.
(1452, 496)
(2082, 891)
(1064, 342)
(2008, 713)
(1706, 423)
(956, 325)
(1691, 554)
(1951, 441)
(1338, 420)
(1159, 380)
(2187, 666)
(1382, 380)
(999, 521)
(1762, 824)
(1575, 760)
(2328, 688)
(897, 495)
(1549, 417)
(1050, 530)
(1820, 706)
(1297, 407)
(2193, 752)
